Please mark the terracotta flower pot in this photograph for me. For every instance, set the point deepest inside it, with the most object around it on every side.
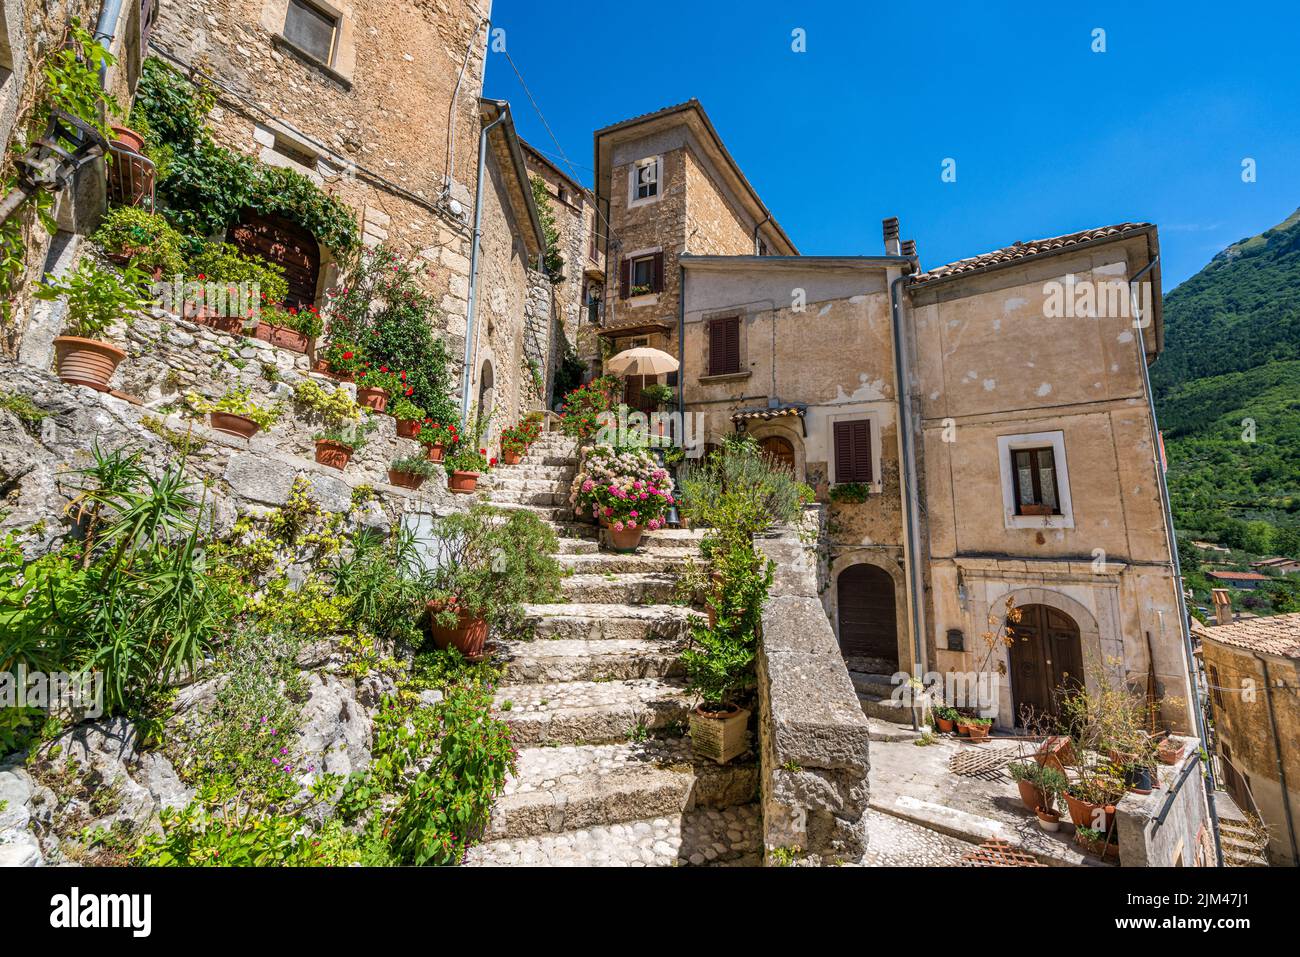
(945, 725)
(434, 452)
(719, 732)
(1031, 796)
(408, 428)
(1170, 755)
(962, 727)
(128, 138)
(463, 482)
(468, 637)
(511, 458)
(1087, 814)
(282, 337)
(374, 399)
(1056, 752)
(334, 454)
(232, 424)
(86, 361)
(625, 540)
(1041, 510)
(322, 367)
(978, 732)
(1048, 820)
(405, 479)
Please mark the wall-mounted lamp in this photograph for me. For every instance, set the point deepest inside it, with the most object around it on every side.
(49, 164)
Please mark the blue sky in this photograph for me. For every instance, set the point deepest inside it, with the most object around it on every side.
(1048, 136)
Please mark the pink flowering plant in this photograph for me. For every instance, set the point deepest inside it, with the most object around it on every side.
(627, 488)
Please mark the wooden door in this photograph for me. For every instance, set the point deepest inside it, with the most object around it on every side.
(285, 243)
(1046, 659)
(779, 450)
(868, 625)
(633, 396)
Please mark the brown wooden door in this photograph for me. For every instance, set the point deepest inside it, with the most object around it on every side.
(868, 625)
(1046, 659)
(285, 243)
(779, 450)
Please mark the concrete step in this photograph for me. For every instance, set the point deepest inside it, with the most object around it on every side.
(725, 837)
(590, 712)
(578, 786)
(604, 622)
(605, 563)
(634, 589)
(586, 659)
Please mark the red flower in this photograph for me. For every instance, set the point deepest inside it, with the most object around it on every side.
(410, 389)
(492, 462)
(383, 368)
(347, 355)
(482, 451)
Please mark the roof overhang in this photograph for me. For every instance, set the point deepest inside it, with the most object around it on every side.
(645, 328)
(505, 145)
(689, 261)
(692, 114)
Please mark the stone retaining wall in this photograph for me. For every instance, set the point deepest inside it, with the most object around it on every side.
(813, 736)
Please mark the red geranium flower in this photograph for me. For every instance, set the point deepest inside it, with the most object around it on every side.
(347, 355)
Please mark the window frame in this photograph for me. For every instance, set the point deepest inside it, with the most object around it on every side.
(633, 181)
(872, 422)
(1007, 444)
(326, 11)
(717, 366)
(1036, 469)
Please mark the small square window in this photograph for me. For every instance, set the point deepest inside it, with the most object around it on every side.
(312, 30)
(644, 180)
(1034, 481)
(643, 275)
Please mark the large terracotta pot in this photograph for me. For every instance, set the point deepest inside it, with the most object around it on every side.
(86, 361)
(408, 428)
(128, 138)
(434, 453)
(626, 540)
(1086, 814)
(1032, 797)
(323, 368)
(232, 424)
(282, 336)
(375, 399)
(405, 479)
(334, 454)
(468, 637)
(979, 732)
(945, 725)
(511, 458)
(719, 733)
(463, 482)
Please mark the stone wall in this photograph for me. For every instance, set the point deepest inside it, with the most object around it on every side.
(813, 736)
(1170, 827)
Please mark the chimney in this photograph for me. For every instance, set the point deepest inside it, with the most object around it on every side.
(1222, 606)
(909, 250)
(891, 236)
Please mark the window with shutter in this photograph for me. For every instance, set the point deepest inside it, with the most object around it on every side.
(625, 279)
(853, 451)
(724, 346)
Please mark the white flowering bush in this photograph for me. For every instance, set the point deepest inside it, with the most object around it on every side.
(627, 488)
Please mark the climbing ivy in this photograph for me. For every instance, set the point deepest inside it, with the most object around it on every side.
(554, 260)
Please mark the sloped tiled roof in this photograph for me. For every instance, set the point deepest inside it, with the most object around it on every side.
(1276, 635)
(1239, 576)
(1022, 250)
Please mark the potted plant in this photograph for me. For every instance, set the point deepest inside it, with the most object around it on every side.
(437, 438)
(1038, 785)
(96, 298)
(375, 386)
(340, 360)
(978, 728)
(409, 417)
(945, 718)
(464, 466)
(334, 446)
(962, 724)
(490, 563)
(129, 234)
(1092, 798)
(410, 471)
(235, 413)
(1048, 820)
(288, 328)
(1171, 751)
(626, 490)
(514, 443)
(1097, 841)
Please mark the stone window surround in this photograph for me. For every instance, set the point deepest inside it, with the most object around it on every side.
(1056, 440)
(342, 64)
(632, 200)
(876, 485)
(649, 298)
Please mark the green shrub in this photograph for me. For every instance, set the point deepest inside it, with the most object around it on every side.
(415, 465)
(583, 406)
(96, 297)
(224, 264)
(146, 238)
(237, 401)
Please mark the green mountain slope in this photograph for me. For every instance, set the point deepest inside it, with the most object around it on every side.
(1232, 358)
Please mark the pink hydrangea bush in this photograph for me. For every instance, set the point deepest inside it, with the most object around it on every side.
(627, 488)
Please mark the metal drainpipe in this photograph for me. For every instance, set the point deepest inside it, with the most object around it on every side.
(681, 348)
(450, 163)
(473, 272)
(106, 30)
(767, 218)
(909, 486)
(1172, 544)
(1281, 767)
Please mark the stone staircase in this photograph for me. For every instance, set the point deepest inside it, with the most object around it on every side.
(1243, 845)
(596, 706)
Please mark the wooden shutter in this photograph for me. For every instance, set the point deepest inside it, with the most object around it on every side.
(624, 279)
(657, 285)
(724, 346)
(852, 451)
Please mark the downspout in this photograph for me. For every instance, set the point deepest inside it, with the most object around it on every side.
(681, 348)
(473, 269)
(1281, 766)
(912, 510)
(106, 30)
(450, 164)
(1172, 544)
(767, 218)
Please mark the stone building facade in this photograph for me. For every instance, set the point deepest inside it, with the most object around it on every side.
(1252, 668)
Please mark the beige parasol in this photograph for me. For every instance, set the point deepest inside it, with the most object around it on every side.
(643, 361)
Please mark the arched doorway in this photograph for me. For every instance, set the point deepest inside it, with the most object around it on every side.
(285, 243)
(779, 451)
(1046, 660)
(867, 617)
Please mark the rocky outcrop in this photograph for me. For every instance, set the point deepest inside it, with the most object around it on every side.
(813, 736)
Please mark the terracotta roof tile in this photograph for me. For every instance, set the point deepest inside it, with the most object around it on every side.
(1276, 635)
(1239, 576)
(1021, 250)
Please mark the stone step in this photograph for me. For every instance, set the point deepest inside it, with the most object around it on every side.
(590, 712)
(577, 786)
(578, 546)
(586, 659)
(634, 589)
(605, 563)
(504, 483)
(547, 513)
(604, 622)
(522, 472)
(703, 837)
(526, 496)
